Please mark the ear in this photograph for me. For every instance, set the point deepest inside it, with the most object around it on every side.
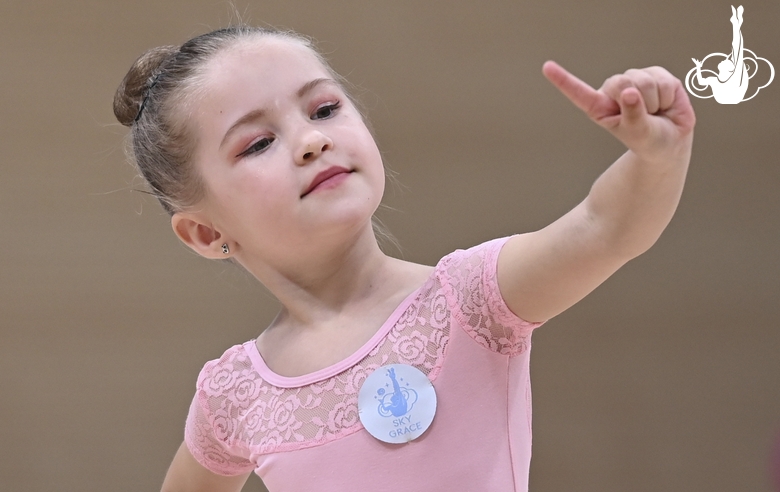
(199, 234)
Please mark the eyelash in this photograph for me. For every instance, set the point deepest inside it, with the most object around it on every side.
(264, 143)
(332, 108)
(256, 147)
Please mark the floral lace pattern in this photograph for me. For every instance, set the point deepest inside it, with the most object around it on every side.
(476, 302)
(237, 414)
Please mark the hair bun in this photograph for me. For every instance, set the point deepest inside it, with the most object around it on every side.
(131, 92)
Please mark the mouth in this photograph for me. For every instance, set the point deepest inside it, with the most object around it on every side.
(332, 175)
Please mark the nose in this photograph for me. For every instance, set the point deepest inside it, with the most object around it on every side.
(312, 144)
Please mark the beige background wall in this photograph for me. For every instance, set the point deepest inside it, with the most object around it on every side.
(665, 378)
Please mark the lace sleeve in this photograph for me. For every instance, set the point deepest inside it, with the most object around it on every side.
(209, 433)
(470, 281)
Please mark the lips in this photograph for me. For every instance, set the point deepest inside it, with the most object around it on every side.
(324, 175)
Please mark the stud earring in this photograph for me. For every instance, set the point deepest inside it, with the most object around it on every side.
(225, 249)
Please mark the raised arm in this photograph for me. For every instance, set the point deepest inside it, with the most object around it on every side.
(543, 273)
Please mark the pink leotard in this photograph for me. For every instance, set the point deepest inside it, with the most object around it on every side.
(304, 434)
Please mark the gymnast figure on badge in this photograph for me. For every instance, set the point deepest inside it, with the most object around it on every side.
(731, 84)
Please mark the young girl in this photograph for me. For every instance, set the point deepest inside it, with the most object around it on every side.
(377, 374)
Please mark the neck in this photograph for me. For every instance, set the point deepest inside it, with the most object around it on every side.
(326, 281)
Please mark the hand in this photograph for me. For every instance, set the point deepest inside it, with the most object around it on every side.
(697, 62)
(648, 109)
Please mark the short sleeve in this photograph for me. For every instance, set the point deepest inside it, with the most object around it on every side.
(209, 437)
(470, 280)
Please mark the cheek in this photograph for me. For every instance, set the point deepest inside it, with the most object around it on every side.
(377, 167)
(366, 146)
(378, 173)
(252, 196)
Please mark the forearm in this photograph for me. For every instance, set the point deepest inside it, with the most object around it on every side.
(632, 202)
(542, 273)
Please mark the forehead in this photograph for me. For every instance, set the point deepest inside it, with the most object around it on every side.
(257, 74)
(266, 62)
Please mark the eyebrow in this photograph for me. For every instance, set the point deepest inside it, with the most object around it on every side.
(256, 114)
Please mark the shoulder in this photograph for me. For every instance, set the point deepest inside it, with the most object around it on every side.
(468, 276)
(221, 375)
(471, 261)
(477, 250)
(214, 432)
(469, 280)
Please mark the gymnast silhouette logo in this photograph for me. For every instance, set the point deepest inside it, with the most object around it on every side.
(399, 402)
(735, 70)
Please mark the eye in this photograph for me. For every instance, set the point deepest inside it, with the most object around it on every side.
(257, 147)
(325, 111)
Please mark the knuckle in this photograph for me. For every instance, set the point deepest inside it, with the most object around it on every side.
(642, 79)
(616, 83)
(667, 86)
(645, 83)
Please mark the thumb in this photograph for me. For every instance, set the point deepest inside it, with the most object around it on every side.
(634, 122)
(633, 112)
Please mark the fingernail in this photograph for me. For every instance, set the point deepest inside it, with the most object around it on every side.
(631, 98)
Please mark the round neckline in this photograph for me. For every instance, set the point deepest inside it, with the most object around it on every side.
(280, 381)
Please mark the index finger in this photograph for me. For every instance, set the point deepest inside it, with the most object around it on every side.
(595, 104)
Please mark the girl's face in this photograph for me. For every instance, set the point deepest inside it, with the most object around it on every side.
(270, 119)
